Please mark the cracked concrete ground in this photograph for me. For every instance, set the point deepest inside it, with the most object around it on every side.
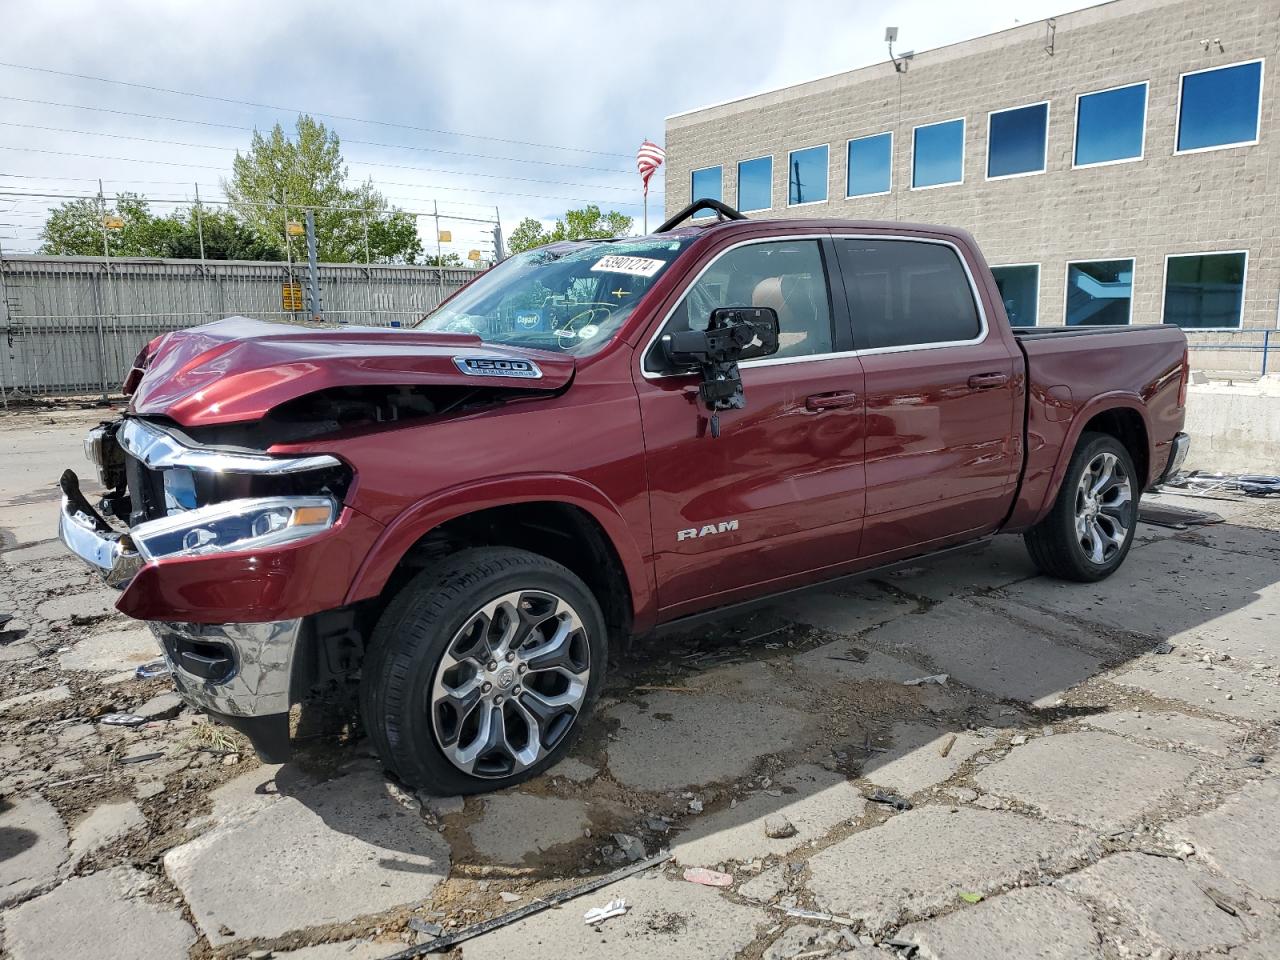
(1096, 778)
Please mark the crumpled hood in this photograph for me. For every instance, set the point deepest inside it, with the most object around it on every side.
(237, 369)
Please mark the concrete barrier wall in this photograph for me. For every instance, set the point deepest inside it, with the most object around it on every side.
(1234, 428)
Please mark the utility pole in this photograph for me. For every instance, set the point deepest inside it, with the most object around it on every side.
(313, 269)
(435, 208)
(497, 237)
(204, 267)
(106, 258)
(5, 327)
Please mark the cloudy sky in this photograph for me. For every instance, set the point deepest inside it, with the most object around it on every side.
(529, 107)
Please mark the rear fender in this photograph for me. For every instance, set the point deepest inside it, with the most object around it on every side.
(439, 508)
(1100, 404)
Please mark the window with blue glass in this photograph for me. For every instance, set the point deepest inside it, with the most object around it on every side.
(755, 184)
(706, 186)
(1219, 108)
(870, 160)
(1099, 293)
(1205, 290)
(937, 154)
(1019, 286)
(1110, 125)
(1016, 141)
(807, 176)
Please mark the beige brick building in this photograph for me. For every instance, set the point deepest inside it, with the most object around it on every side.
(1183, 159)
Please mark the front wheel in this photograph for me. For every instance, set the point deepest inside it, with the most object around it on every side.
(480, 671)
(1089, 531)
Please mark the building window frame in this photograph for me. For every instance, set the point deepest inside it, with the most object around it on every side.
(1133, 285)
(1039, 281)
(1142, 149)
(1244, 287)
(738, 196)
(878, 193)
(964, 139)
(693, 197)
(1257, 123)
(1048, 109)
(827, 197)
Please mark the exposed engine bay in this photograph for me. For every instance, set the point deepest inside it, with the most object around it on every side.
(340, 409)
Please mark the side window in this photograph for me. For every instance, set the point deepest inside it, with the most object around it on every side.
(786, 275)
(906, 293)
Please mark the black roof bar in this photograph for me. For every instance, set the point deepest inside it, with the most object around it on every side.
(723, 210)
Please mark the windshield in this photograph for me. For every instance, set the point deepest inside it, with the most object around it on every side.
(572, 300)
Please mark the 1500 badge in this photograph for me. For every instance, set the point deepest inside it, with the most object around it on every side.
(498, 367)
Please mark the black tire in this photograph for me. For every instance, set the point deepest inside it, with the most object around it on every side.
(1054, 544)
(410, 641)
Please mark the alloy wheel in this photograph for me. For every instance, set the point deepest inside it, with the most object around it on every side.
(1104, 508)
(511, 683)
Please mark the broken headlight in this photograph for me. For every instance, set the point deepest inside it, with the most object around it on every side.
(235, 525)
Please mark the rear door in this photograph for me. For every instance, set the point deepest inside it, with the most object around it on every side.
(780, 492)
(942, 442)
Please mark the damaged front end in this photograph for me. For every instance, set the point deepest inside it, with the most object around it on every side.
(170, 499)
(232, 541)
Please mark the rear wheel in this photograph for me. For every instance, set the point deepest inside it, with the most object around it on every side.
(1089, 531)
(481, 670)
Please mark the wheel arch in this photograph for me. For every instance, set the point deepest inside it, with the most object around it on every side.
(563, 518)
(1120, 415)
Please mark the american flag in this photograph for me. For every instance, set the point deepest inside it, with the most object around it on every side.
(648, 159)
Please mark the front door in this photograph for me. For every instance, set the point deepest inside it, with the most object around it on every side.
(943, 442)
(781, 491)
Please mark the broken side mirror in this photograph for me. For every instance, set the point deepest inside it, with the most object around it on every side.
(732, 334)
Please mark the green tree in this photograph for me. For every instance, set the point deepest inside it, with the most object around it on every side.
(448, 260)
(527, 235)
(224, 238)
(76, 229)
(308, 171)
(589, 223)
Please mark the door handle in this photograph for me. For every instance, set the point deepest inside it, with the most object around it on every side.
(987, 381)
(830, 401)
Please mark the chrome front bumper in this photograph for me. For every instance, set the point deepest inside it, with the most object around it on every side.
(238, 673)
(110, 553)
(232, 669)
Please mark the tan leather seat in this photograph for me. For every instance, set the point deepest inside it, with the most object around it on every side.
(804, 328)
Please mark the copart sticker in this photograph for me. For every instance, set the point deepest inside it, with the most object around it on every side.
(631, 266)
(498, 367)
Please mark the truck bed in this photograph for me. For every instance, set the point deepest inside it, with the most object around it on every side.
(1134, 373)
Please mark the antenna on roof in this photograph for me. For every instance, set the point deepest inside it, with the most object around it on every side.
(900, 60)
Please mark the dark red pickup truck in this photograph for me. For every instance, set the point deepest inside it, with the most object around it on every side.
(590, 440)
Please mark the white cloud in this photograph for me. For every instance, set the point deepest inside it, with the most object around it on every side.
(578, 73)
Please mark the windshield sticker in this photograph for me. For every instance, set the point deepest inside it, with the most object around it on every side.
(631, 266)
(498, 367)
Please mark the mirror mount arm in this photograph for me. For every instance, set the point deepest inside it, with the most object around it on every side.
(715, 352)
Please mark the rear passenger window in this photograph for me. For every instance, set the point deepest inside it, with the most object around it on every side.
(786, 275)
(906, 293)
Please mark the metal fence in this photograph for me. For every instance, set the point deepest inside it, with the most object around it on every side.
(1242, 353)
(71, 325)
